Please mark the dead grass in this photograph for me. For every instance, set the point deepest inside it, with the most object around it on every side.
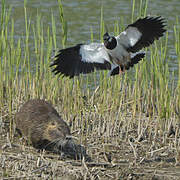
(118, 151)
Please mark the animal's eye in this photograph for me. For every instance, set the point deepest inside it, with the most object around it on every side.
(53, 123)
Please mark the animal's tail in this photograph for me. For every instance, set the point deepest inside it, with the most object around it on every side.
(134, 60)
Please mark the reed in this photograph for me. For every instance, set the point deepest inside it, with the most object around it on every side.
(93, 101)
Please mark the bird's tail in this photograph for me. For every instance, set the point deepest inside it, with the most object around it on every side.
(134, 60)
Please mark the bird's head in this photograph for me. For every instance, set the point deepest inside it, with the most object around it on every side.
(110, 42)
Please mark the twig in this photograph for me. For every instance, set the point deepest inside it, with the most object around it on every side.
(39, 169)
(133, 148)
(157, 150)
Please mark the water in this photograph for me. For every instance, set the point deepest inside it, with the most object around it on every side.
(84, 15)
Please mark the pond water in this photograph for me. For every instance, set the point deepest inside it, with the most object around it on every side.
(84, 15)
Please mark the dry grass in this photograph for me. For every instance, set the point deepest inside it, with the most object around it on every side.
(118, 151)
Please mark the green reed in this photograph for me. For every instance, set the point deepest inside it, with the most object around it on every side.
(63, 23)
(91, 101)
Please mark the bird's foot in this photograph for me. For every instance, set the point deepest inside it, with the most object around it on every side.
(121, 70)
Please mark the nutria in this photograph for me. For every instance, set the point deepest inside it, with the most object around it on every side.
(44, 128)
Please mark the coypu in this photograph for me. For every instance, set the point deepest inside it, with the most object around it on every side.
(41, 124)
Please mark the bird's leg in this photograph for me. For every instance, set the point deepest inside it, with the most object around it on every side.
(121, 69)
(122, 66)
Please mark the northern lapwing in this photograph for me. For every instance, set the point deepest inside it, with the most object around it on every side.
(116, 54)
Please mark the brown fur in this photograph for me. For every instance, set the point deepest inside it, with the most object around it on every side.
(41, 124)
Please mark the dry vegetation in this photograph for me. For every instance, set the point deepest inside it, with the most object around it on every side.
(129, 124)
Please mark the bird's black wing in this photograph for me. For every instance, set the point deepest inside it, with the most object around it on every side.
(142, 33)
(80, 59)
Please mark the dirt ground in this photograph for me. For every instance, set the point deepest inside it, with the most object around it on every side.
(113, 157)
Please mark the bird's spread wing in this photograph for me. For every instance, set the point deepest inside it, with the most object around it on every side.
(81, 59)
(142, 33)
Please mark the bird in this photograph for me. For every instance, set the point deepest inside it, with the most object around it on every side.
(116, 53)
